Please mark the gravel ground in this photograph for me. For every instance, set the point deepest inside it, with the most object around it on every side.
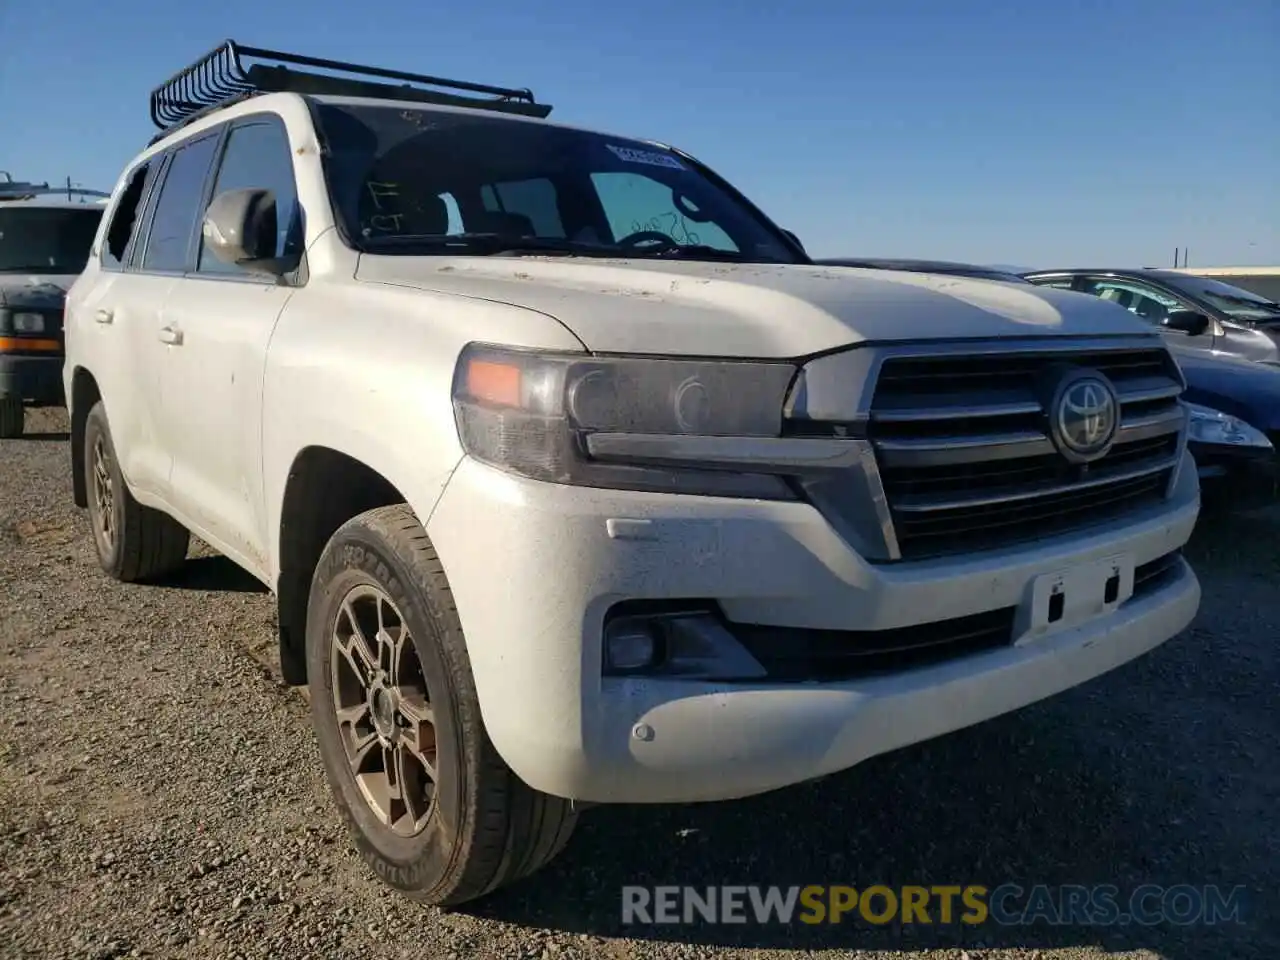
(161, 794)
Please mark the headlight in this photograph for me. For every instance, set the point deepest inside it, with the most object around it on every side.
(27, 323)
(671, 425)
(1213, 426)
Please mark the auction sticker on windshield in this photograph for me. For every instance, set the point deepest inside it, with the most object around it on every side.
(650, 157)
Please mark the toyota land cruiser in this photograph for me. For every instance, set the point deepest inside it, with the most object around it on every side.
(575, 480)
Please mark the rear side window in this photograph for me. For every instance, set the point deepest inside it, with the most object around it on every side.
(125, 218)
(174, 221)
(535, 199)
(258, 157)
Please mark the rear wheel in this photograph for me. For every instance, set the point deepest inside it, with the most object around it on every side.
(430, 805)
(12, 417)
(134, 542)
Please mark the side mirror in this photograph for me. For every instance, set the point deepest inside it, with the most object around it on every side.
(1186, 321)
(240, 228)
(794, 239)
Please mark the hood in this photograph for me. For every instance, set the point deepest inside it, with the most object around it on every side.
(26, 290)
(1242, 388)
(752, 310)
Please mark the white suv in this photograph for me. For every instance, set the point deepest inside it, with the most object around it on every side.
(576, 481)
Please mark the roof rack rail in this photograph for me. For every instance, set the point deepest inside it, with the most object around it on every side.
(220, 78)
(11, 189)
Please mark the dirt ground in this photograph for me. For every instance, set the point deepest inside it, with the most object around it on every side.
(161, 794)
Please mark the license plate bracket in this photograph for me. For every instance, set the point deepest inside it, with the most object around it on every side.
(1067, 597)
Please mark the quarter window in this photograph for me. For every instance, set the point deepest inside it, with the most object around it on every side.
(125, 220)
(535, 199)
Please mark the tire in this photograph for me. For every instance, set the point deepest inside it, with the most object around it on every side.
(139, 543)
(12, 417)
(483, 827)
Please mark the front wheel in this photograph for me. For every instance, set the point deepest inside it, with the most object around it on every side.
(429, 803)
(134, 542)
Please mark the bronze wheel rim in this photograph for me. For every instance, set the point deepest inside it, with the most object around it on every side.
(385, 719)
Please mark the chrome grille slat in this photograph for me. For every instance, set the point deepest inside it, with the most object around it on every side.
(918, 504)
(975, 447)
(1049, 518)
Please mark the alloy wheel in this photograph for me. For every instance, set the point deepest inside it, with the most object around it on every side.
(385, 718)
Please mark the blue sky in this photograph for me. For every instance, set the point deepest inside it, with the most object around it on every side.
(1010, 131)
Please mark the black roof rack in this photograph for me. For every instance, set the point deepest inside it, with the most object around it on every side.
(220, 78)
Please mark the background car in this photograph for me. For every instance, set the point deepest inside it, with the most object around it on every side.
(45, 237)
(1197, 313)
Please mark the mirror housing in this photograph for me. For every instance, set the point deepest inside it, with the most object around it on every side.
(240, 228)
(1186, 321)
(794, 239)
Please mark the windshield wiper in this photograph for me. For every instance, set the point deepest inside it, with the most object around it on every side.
(490, 244)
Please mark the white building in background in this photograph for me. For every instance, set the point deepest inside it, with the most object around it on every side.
(1264, 281)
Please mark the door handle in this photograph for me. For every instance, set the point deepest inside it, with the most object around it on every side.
(171, 334)
(103, 316)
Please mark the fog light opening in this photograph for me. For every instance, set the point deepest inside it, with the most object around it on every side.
(633, 644)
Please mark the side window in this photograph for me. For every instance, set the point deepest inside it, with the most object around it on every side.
(535, 199)
(258, 156)
(177, 210)
(125, 219)
(1058, 283)
(1146, 302)
(634, 203)
(455, 215)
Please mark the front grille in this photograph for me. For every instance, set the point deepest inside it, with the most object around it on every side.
(805, 655)
(967, 464)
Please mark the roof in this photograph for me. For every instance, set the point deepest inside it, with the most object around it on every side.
(268, 101)
(1230, 271)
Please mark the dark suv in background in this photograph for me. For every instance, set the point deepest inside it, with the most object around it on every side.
(45, 237)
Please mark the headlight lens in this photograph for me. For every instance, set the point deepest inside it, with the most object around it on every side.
(1212, 426)
(27, 323)
(669, 425)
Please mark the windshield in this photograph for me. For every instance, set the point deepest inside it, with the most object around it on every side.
(402, 177)
(1233, 301)
(46, 239)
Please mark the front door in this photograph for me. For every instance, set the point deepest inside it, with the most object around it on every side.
(221, 318)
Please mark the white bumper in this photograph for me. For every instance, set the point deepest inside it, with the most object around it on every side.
(534, 567)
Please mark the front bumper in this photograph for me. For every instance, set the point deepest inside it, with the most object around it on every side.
(37, 380)
(534, 568)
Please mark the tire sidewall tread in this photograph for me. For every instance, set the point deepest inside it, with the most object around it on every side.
(504, 829)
